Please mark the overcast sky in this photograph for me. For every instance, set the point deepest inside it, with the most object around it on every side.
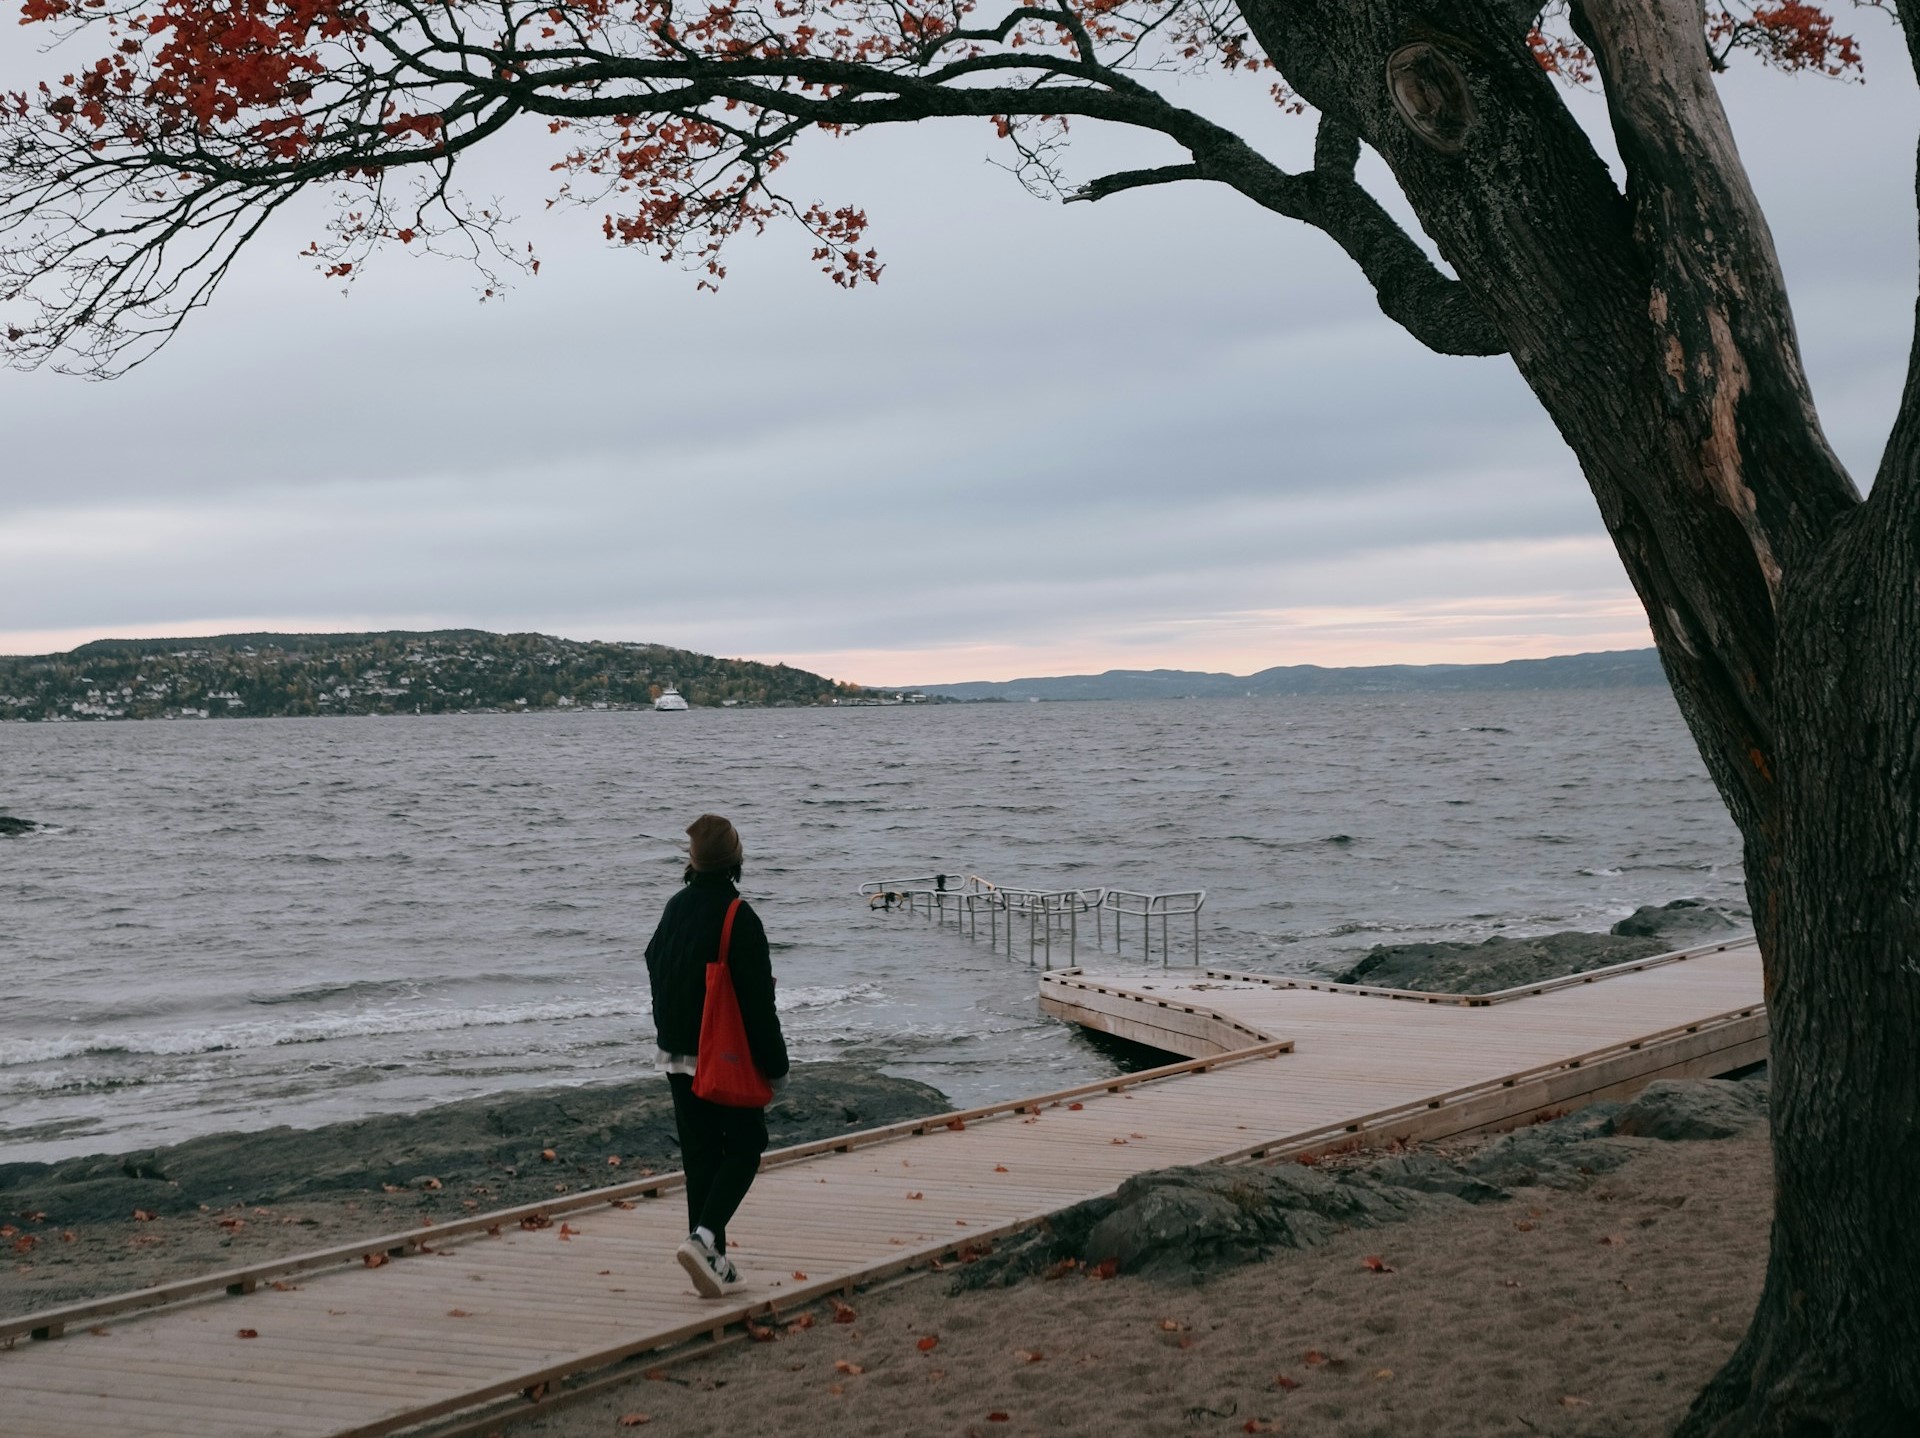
(1168, 429)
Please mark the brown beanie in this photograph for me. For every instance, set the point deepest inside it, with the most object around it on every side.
(713, 844)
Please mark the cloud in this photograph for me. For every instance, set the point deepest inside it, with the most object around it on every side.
(1165, 429)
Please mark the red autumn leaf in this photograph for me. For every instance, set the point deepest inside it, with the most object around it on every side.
(24, 1243)
(233, 1225)
(760, 1333)
(634, 1420)
(547, 1155)
(1105, 1268)
(1258, 1425)
(1314, 1358)
(432, 1185)
(567, 1231)
(915, 1193)
(67, 1235)
(956, 1124)
(622, 1203)
(7, 1230)
(1076, 1104)
(536, 1221)
(374, 1260)
(805, 1320)
(928, 1344)
(842, 1312)
(458, 1313)
(247, 1333)
(798, 1276)
(999, 1168)
(493, 1230)
(1376, 1264)
(140, 1215)
(535, 1392)
(99, 1330)
(613, 1160)
(280, 1285)
(843, 1366)
(1116, 1140)
(1284, 1383)
(1026, 1355)
(998, 1418)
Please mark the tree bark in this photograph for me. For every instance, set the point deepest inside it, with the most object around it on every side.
(1654, 328)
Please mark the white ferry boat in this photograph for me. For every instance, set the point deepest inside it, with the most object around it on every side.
(670, 699)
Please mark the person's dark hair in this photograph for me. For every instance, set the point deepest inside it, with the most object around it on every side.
(689, 874)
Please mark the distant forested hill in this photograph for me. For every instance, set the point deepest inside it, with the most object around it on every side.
(400, 672)
(1613, 670)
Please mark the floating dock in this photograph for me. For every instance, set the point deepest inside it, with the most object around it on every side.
(456, 1329)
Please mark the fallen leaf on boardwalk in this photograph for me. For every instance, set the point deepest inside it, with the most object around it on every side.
(1026, 1355)
(1104, 1269)
(280, 1285)
(255, 1333)
(798, 1276)
(140, 1215)
(1284, 1383)
(959, 1223)
(603, 1273)
(493, 1230)
(999, 1168)
(547, 1155)
(458, 1313)
(622, 1203)
(898, 1242)
(1314, 1358)
(916, 1194)
(842, 1366)
(928, 1344)
(956, 1124)
(1258, 1425)
(1116, 1140)
(375, 1260)
(1136, 1135)
(613, 1160)
(1374, 1263)
(760, 1333)
(634, 1420)
(1569, 1401)
(567, 1231)
(1076, 1104)
(536, 1220)
(842, 1313)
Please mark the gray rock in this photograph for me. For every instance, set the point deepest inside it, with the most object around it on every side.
(1681, 923)
(1689, 1109)
(1564, 1153)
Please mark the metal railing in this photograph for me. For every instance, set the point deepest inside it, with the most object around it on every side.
(1048, 912)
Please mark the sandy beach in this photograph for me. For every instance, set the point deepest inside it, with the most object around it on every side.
(1588, 1314)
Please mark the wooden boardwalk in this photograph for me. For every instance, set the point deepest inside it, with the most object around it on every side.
(471, 1313)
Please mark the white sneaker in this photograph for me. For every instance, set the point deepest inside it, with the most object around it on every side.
(709, 1271)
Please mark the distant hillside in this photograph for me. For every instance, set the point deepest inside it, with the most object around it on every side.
(1619, 669)
(399, 672)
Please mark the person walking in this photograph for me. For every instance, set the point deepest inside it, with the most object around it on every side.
(720, 1145)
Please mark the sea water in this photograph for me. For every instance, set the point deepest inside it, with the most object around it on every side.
(241, 923)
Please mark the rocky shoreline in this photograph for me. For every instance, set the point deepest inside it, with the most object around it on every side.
(1501, 963)
(115, 1221)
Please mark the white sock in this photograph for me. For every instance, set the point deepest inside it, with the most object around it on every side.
(704, 1234)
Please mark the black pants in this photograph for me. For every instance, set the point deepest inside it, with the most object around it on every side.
(721, 1150)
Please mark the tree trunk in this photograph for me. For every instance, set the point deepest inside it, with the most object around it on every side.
(1834, 1347)
(1654, 328)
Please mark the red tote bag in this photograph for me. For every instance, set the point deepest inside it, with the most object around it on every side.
(724, 1072)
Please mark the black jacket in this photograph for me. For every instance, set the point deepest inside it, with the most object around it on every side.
(685, 942)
